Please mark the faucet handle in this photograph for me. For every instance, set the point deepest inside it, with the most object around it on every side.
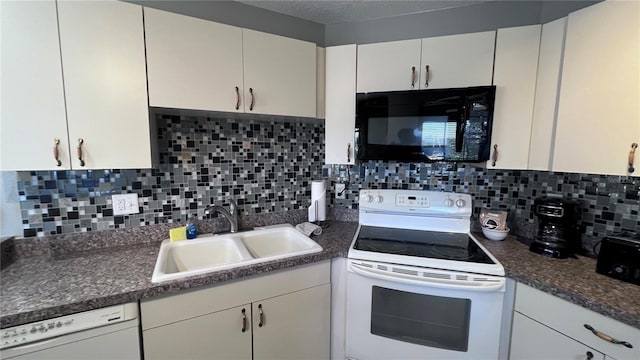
(233, 207)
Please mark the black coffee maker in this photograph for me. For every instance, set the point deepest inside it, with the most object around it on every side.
(558, 231)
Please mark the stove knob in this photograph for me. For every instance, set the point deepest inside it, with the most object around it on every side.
(369, 198)
(448, 202)
(380, 199)
(460, 203)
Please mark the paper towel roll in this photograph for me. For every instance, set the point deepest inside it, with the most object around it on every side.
(318, 201)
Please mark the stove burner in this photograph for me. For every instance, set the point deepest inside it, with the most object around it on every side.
(389, 247)
(451, 252)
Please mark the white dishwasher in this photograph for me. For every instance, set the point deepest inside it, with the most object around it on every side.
(108, 333)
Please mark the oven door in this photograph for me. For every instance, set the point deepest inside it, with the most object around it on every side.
(401, 312)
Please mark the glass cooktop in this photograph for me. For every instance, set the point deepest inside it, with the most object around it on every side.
(421, 243)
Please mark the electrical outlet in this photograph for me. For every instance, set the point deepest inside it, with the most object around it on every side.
(124, 204)
(340, 190)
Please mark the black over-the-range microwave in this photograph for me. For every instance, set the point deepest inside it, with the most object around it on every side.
(425, 125)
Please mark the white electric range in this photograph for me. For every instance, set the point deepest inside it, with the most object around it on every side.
(419, 285)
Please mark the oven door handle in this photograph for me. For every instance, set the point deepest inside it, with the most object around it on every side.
(432, 282)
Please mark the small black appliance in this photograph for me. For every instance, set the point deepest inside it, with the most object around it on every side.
(619, 257)
(558, 231)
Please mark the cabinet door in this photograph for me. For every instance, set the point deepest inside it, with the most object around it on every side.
(105, 83)
(293, 326)
(32, 114)
(217, 335)
(546, 98)
(531, 340)
(598, 114)
(341, 104)
(279, 75)
(515, 72)
(192, 63)
(389, 66)
(457, 60)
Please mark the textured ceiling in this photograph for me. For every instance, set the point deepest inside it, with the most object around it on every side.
(334, 12)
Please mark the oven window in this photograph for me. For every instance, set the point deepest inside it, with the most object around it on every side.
(428, 320)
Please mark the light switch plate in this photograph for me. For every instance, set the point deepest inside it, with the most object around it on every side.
(124, 204)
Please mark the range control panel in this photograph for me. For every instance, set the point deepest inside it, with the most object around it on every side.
(23, 334)
(408, 200)
(415, 201)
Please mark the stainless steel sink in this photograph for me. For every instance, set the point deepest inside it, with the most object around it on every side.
(222, 252)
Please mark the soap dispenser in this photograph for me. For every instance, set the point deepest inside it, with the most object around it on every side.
(192, 230)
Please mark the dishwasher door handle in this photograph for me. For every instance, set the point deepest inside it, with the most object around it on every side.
(481, 286)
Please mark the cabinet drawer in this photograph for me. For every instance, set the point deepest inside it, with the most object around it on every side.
(190, 304)
(570, 319)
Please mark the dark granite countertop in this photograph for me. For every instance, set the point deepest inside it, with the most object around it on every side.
(574, 280)
(39, 287)
(36, 288)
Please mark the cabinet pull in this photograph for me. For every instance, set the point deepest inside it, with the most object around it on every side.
(349, 152)
(252, 99)
(606, 337)
(237, 98)
(244, 320)
(632, 155)
(56, 153)
(589, 355)
(426, 76)
(80, 142)
(413, 77)
(261, 323)
(494, 157)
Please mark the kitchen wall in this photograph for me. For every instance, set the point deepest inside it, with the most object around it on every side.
(267, 165)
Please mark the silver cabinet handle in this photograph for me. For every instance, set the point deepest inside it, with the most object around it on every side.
(244, 320)
(56, 152)
(413, 76)
(261, 322)
(632, 155)
(237, 98)
(426, 76)
(606, 337)
(494, 157)
(80, 142)
(252, 99)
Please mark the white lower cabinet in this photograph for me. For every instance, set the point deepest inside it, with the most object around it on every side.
(283, 315)
(294, 326)
(547, 327)
(534, 341)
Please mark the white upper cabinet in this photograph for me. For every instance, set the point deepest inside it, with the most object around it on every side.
(457, 60)
(389, 66)
(32, 103)
(279, 75)
(516, 66)
(340, 104)
(103, 59)
(430, 63)
(599, 111)
(546, 98)
(193, 63)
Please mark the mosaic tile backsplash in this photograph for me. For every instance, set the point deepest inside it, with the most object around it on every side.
(267, 166)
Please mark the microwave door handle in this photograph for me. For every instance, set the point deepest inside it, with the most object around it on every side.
(460, 127)
(481, 286)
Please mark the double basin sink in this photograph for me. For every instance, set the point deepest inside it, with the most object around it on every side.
(223, 252)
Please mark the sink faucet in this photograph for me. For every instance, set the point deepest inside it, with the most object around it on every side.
(231, 214)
